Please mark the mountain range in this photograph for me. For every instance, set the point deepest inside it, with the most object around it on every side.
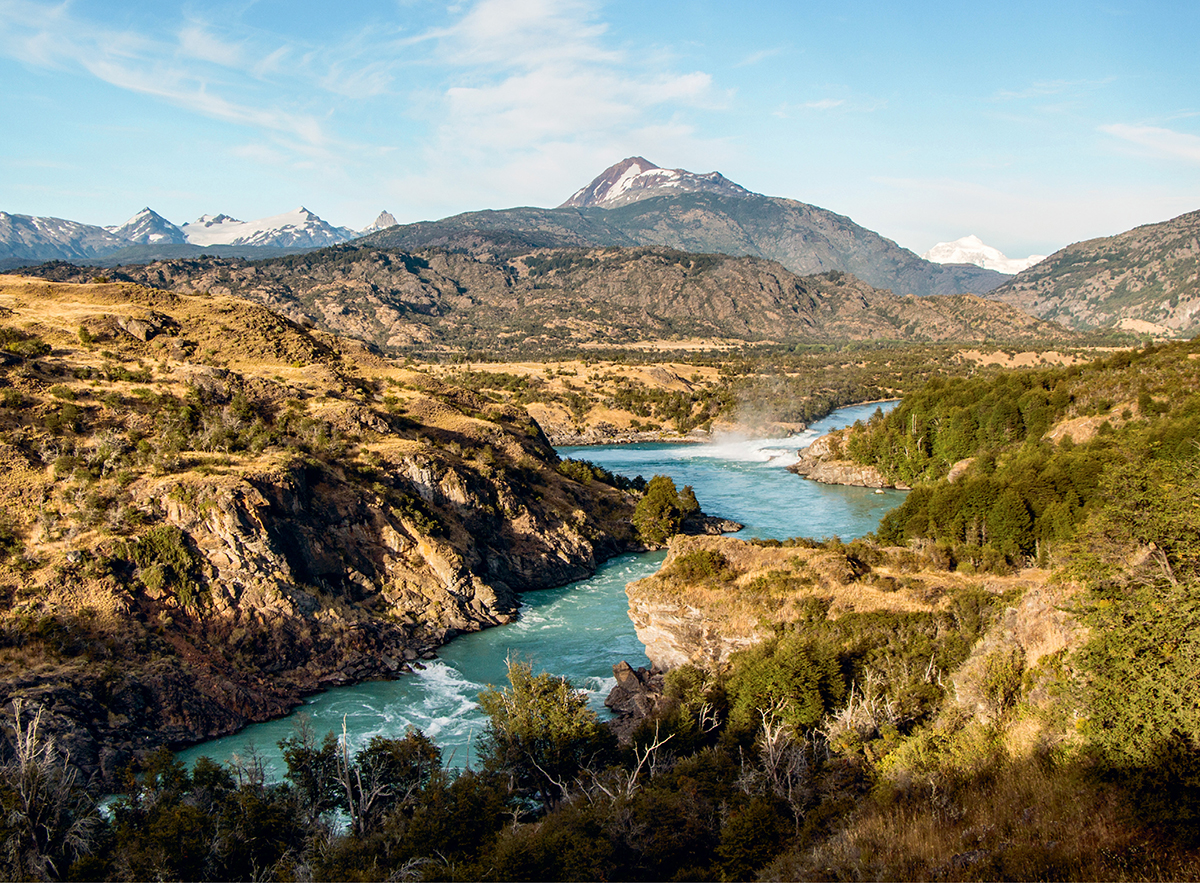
(25, 239)
(1143, 281)
(636, 203)
(632, 203)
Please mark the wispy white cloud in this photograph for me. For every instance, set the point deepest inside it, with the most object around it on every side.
(842, 105)
(761, 55)
(519, 91)
(196, 41)
(528, 34)
(1046, 88)
(261, 81)
(1158, 141)
(531, 86)
(194, 68)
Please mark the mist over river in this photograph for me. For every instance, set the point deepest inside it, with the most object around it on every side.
(582, 629)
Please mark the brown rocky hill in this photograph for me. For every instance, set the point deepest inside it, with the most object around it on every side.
(545, 300)
(1146, 280)
(208, 511)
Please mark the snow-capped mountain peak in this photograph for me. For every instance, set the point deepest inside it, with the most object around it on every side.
(299, 228)
(636, 178)
(972, 250)
(213, 220)
(27, 238)
(150, 228)
(30, 239)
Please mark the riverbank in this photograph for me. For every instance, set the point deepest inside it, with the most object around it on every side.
(209, 513)
(581, 630)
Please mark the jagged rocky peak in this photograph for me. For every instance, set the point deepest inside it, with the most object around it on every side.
(149, 227)
(637, 178)
(972, 250)
(386, 219)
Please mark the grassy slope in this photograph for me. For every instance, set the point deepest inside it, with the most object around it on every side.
(202, 490)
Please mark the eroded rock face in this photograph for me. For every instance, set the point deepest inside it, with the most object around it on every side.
(822, 461)
(311, 581)
(678, 634)
(715, 596)
(676, 627)
(638, 694)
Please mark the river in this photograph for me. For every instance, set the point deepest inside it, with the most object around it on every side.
(582, 629)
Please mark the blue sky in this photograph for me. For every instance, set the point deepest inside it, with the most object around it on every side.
(1031, 125)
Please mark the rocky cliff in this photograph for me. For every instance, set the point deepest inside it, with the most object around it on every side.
(822, 461)
(715, 596)
(208, 512)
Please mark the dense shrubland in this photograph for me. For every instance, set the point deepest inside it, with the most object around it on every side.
(839, 748)
(730, 772)
(1040, 445)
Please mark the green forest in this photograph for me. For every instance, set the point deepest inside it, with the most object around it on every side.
(1023, 493)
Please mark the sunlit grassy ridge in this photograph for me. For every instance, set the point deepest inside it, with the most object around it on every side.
(207, 510)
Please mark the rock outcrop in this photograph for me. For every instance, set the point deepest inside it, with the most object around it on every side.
(822, 461)
(179, 561)
(637, 695)
(715, 596)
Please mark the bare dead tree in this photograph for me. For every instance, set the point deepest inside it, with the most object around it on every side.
(52, 819)
(647, 758)
(626, 783)
(787, 763)
(365, 789)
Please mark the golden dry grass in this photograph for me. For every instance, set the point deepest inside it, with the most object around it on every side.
(766, 584)
(1021, 360)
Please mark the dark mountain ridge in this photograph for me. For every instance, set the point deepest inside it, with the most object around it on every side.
(803, 238)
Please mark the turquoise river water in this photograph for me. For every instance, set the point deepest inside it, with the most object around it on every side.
(581, 630)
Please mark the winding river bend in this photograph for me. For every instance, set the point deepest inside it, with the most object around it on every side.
(581, 630)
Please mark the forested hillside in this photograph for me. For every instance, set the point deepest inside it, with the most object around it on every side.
(1036, 451)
